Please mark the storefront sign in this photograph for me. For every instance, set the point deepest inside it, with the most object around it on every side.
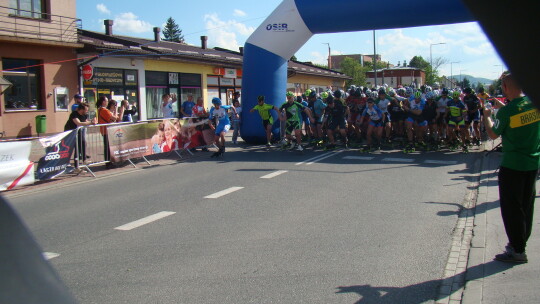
(230, 73)
(173, 78)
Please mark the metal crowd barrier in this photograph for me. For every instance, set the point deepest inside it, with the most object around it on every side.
(91, 145)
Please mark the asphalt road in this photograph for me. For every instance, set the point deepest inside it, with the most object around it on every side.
(340, 228)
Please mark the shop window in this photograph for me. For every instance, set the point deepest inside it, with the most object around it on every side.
(25, 93)
(154, 102)
(28, 8)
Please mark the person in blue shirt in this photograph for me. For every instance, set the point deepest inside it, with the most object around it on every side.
(415, 120)
(220, 113)
(376, 119)
(187, 106)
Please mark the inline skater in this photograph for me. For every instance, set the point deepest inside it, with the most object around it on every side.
(382, 103)
(353, 103)
(376, 118)
(415, 122)
(290, 113)
(441, 118)
(456, 112)
(267, 119)
(430, 115)
(219, 112)
(473, 115)
(334, 115)
(396, 113)
(317, 106)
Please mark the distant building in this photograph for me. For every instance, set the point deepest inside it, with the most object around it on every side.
(336, 60)
(396, 76)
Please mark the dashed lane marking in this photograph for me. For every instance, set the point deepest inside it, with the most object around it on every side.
(400, 160)
(144, 221)
(274, 174)
(313, 158)
(359, 157)
(224, 192)
(440, 162)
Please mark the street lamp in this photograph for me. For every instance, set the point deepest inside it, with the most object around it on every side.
(451, 74)
(329, 57)
(431, 58)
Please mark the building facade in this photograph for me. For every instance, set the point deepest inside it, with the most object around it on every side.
(38, 40)
(394, 77)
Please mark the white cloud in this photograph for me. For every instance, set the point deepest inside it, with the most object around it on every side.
(226, 34)
(130, 23)
(239, 13)
(318, 58)
(103, 9)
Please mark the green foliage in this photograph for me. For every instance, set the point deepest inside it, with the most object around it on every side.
(293, 58)
(172, 32)
(354, 69)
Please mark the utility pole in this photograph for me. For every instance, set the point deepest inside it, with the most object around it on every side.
(329, 56)
(374, 59)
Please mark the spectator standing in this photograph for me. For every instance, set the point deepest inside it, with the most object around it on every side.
(198, 110)
(518, 124)
(166, 106)
(187, 106)
(127, 111)
(79, 118)
(105, 116)
(236, 121)
(78, 100)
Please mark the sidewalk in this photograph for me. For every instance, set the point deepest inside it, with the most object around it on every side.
(489, 281)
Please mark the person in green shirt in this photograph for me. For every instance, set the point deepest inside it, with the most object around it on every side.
(518, 124)
(267, 119)
(290, 112)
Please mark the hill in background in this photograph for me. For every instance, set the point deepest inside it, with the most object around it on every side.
(474, 80)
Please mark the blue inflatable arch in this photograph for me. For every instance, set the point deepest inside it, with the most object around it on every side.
(293, 22)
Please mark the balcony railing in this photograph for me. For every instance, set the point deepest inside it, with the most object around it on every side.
(42, 26)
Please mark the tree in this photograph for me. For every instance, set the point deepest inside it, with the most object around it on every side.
(432, 75)
(293, 58)
(465, 83)
(354, 69)
(172, 32)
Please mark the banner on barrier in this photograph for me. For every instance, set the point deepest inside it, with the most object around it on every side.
(154, 137)
(59, 149)
(15, 167)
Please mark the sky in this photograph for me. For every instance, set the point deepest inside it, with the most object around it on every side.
(228, 24)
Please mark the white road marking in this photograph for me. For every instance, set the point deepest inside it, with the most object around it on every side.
(401, 160)
(307, 160)
(144, 221)
(274, 174)
(359, 157)
(223, 192)
(441, 162)
(50, 255)
(321, 158)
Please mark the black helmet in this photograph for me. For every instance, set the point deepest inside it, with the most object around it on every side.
(467, 90)
(337, 93)
(299, 98)
(313, 94)
(329, 99)
(444, 91)
(260, 97)
(358, 92)
(382, 91)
